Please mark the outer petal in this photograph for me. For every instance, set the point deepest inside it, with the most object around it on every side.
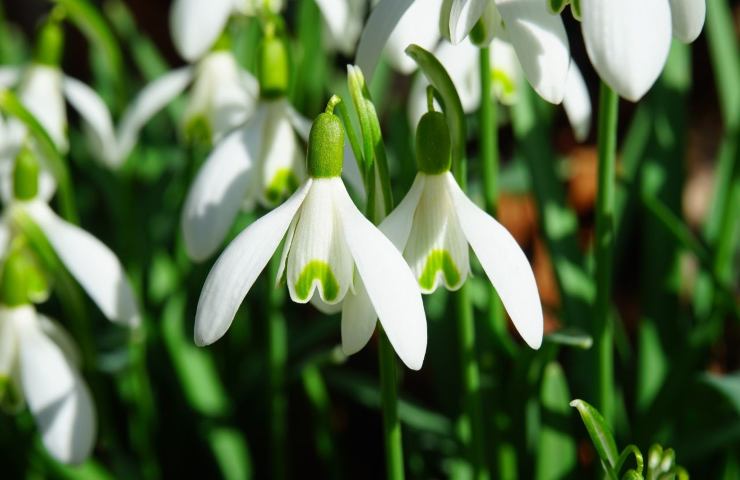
(358, 319)
(238, 267)
(541, 44)
(218, 192)
(577, 103)
(9, 76)
(419, 25)
(397, 226)
(57, 396)
(282, 160)
(463, 15)
(4, 238)
(627, 42)
(153, 98)
(97, 118)
(391, 287)
(196, 24)
(687, 18)
(93, 265)
(505, 264)
(336, 15)
(41, 94)
(378, 28)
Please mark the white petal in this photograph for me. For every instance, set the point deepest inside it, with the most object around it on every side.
(336, 15)
(577, 103)
(627, 42)
(397, 226)
(93, 265)
(358, 319)
(58, 398)
(463, 15)
(323, 307)
(153, 98)
(505, 264)
(390, 284)
(41, 94)
(301, 124)
(196, 24)
(97, 118)
(219, 94)
(541, 44)
(319, 258)
(345, 38)
(9, 76)
(8, 339)
(217, 193)
(4, 238)
(507, 72)
(687, 18)
(239, 266)
(419, 25)
(61, 338)
(282, 159)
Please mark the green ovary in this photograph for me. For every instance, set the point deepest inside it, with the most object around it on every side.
(321, 271)
(284, 182)
(439, 260)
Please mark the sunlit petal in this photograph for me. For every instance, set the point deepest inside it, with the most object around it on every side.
(463, 15)
(196, 24)
(239, 266)
(577, 103)
(505, 264)
(41, 94)
(358, 319)
(397, 226)
(627, 42)
(687, 18)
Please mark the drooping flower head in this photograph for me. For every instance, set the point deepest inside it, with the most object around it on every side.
(435, 225)
(330, 251)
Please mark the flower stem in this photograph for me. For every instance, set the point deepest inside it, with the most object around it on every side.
(391, 422)
(490, 160)
(603, 249)
(277, 350)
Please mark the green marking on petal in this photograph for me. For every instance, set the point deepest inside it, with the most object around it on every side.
(198, 130)
(283, 183)
(439, 260)
(505, 84)
(321, 271)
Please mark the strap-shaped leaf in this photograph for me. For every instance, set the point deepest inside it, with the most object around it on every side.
(599, 431)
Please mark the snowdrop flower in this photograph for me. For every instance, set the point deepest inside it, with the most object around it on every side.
(43, 88)
(89, 261)
(260, 161)
(39, 367)
(330, 250)
(195, 25)
(343, 20)
(462, 63)
(537, 36)
(434, 225)
(628, 40)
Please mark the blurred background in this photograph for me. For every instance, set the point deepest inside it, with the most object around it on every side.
(168, 409)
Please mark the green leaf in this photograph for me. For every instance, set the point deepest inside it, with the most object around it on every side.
(727, 385)
(571, 337)
(630, 450)
(599, 431)
(557, 452)
(441, 81)
(556, 6)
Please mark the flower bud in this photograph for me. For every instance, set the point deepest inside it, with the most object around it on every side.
(325, 147)
(14, 281)
(25, 175)
(272, 66)
(433, 144)
(50, 43)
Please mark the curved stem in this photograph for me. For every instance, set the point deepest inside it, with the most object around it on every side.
(389, 402)
(603, 250)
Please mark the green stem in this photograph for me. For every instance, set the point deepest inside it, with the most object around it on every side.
(277, 344)
(603, 250)
(389, 401)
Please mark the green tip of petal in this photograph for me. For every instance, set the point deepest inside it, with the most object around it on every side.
(433, 144)
(272, 67)
(325, 147)
(283, 184)
(198, 131)
(439, 261)
(26, 176)
(317, 271)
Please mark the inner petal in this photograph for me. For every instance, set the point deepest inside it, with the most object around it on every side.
(437, 250)
(281, 165)
(319, 259)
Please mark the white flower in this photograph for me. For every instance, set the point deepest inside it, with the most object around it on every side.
(462, 63)
(262, 161)
(433, 226)
(39, 361)
(628, 40)
(330, 250)
(343, 20)
(222, 97)
(42, 90)
(537, 36)
(89, 261)
(195, 25)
